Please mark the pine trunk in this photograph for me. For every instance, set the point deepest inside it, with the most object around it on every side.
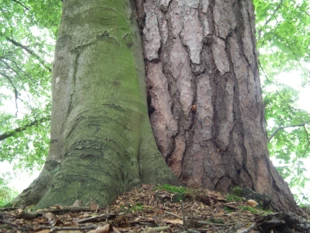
(205, 95)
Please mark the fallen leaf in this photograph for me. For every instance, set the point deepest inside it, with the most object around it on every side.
(50, 218)
(251, 203)
(69, 231)
(105, 229)
(173, 221)
(77, 203)
(93, 206)
(232, 205)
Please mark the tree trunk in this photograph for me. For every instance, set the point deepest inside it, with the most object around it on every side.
(205, 95)
(101, 138)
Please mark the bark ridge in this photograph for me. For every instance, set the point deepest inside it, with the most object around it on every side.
(205, 95)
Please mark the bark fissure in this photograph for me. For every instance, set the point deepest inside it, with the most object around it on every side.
(208, 58)
(73, 81)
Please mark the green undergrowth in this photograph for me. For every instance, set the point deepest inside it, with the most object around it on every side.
(240, 196)
(181, 193)
(7, 194)
(137, 207)
(249, 209)
(134, 208)
(173, 189)
(305, 208)
(236, 195)
(233, 198)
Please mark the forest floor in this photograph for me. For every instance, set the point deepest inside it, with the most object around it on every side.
(157, 209)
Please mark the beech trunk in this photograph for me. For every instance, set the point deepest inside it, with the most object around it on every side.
(204, 102)
(101, 138)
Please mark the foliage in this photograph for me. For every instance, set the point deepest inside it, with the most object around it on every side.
(6, 193)
(283, 43)
(28, 32)
(290, 145)
(282, 31)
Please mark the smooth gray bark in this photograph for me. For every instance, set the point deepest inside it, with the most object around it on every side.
(101, 138)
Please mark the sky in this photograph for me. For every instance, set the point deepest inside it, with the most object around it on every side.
(293, 79)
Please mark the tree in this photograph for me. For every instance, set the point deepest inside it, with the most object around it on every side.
(223, 143)
(204, 95)
(107, 125)
(283, 47)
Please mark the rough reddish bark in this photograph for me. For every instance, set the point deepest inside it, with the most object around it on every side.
(205, 96)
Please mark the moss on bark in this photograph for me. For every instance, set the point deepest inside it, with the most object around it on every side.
(101, 134)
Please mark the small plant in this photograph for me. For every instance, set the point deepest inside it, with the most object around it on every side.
(173, 189)
(306, 208)
(233, 198)
(249, 208)
(178, 192)
(132, 208)
(228, 210)
(177, 197)
(137, 207)
(256, 210)
(237, 190)
(6, 193)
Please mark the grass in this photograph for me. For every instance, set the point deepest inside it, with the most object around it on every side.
(233, 198)
(173, 189)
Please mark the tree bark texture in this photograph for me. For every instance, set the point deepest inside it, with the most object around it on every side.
(101, 139)
(204, 93)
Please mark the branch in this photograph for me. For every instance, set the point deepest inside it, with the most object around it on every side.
(13, 62)
(275, 11)
(30, 52)
(7, 60)
(26, 103)
(305, 129)
(14, 89)
(16, 93)
(23, 128)
(284, 127)
(10, 67)
(262, 69)
(22, 4)
(270, 18)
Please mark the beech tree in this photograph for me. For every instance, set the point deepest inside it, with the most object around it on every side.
(202, 96)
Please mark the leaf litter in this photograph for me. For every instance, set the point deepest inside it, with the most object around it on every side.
(151, 209)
